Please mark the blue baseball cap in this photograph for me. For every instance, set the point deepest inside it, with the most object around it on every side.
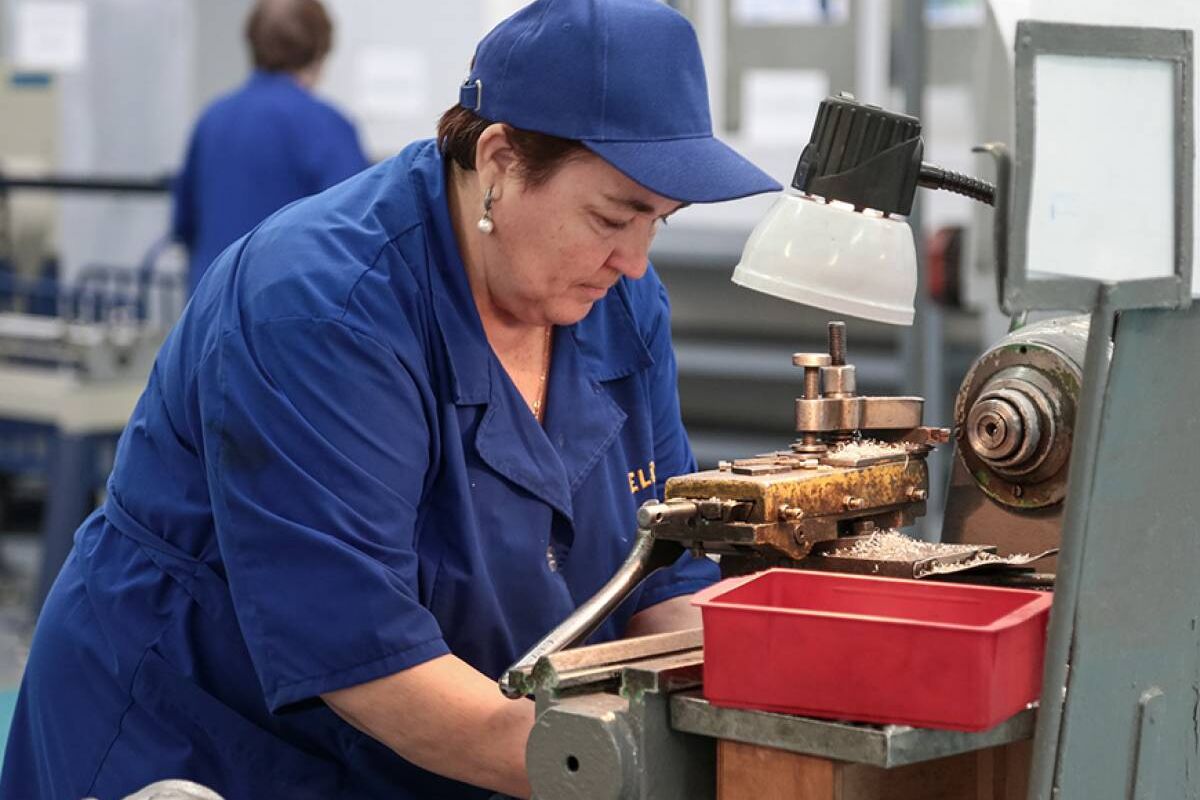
(622, 77)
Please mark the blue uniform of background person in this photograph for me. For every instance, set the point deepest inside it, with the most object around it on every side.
(330, 478)
(253, 152)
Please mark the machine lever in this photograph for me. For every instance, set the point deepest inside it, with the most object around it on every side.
(999, 153)
(649, 554)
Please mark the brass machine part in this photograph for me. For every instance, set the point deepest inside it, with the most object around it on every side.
(831, 411)
(773, 509)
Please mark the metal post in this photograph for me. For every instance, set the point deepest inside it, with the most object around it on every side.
(69, 499)
(1096, 366)
(922, 346)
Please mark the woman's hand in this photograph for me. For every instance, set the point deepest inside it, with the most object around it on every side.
(448, 718)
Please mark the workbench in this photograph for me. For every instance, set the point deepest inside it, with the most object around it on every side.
(82, 420)
(628, 719)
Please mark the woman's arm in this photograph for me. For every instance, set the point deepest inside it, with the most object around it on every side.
(448, 718)
(676, 614)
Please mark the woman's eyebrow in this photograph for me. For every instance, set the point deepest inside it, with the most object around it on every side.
(631, 203)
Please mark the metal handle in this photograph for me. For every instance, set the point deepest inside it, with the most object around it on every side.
(648, 555)
(999, 153)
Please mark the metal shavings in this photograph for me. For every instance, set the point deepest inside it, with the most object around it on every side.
(869, 448)
(979, 559)
(892, 545)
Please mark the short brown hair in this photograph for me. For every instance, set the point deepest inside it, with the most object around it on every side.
(288, 35)
(539, 154)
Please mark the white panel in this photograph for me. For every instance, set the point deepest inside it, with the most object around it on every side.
(873, 51)
(1103, 188)
(1157, 14)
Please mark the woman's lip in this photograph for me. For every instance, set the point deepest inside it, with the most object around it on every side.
(595, 291)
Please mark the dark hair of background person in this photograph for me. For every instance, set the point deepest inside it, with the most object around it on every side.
(288, 35)
(539, 154)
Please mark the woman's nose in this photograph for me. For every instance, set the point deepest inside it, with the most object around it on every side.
(631, 257)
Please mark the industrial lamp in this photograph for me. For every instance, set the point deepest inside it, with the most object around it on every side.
(838, 238)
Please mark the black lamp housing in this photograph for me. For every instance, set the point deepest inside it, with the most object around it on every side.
(871, 158)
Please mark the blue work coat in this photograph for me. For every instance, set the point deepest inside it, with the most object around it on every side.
(330, 478)
(253, 152)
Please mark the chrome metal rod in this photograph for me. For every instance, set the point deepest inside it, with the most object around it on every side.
(648, 555)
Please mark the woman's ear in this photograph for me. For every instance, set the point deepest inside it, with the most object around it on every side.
(495, 159)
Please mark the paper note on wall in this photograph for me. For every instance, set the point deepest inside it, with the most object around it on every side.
(779, 106)
(392, 83)
(789, 12)
(50, 35)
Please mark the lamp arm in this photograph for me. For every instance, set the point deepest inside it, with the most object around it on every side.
(934, 177)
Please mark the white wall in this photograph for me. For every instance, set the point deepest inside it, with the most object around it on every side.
(397, 66)
(126, 113)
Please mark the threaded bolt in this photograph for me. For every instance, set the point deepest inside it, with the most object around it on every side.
(837, 344)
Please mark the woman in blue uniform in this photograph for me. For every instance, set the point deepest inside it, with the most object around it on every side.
(400, 432)
(268, 143)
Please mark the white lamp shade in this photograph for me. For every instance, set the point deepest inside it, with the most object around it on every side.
(832, 257)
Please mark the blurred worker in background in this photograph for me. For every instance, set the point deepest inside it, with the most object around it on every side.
(268, 143)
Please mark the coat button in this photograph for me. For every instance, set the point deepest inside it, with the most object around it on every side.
(551, 559)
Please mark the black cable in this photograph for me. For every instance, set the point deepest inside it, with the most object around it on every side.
(933, 177)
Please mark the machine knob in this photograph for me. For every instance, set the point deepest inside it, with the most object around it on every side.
(1011, 427)
(995, 429)
(1015, 413)
(1004, 428)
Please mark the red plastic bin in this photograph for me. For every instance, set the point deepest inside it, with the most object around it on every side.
(868, 649)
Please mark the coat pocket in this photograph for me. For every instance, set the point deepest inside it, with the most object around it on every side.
(175, 729)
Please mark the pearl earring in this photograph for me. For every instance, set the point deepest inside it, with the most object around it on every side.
(485, 223)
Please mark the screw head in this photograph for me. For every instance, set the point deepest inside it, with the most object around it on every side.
(811, 359)
(791, 513)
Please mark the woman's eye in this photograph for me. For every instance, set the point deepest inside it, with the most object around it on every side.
(611, 224)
